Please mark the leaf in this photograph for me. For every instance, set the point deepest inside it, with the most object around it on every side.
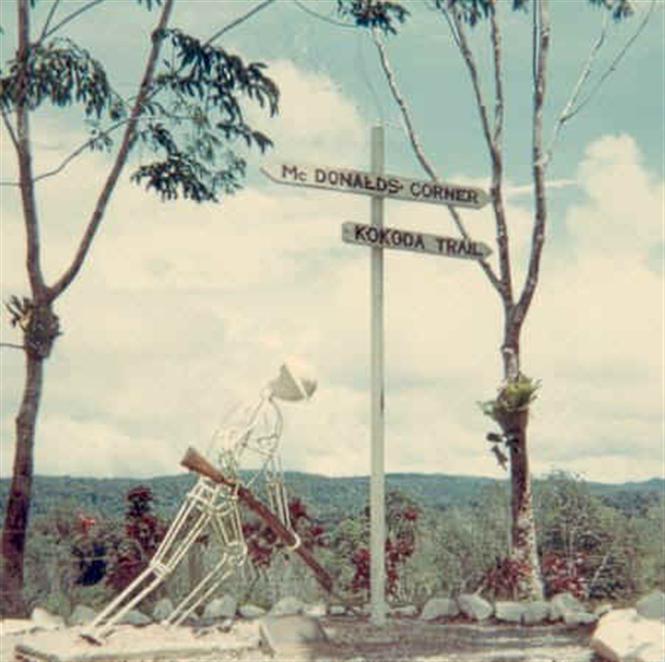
(149, 3)
(472, 11)
(63, 73)
(383, 15)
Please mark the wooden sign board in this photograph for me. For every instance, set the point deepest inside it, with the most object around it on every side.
(387, 186)
(417, 242)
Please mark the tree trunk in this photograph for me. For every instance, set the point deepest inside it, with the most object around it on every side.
(524, 547)
(523, 530)
(18, 503)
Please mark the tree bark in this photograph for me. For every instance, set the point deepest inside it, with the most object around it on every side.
(40, 325)
(524, 549)
(523, 531)
(18, 503)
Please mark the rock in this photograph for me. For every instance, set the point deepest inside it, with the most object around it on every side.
(535, 612)
(287, 606)
(163, 609)
(625, 636)
(46, 620)
(11, 626)
(82, 615)
(474, 607)
(603, 609)
(579, 618)
(652, 606)
(206, 630)
(135, 617)
(439, 608)
(220, 608)
(407, 610)
(316, 610)
(251, 611)
(562, 603)
(510, 612)
(283, 634)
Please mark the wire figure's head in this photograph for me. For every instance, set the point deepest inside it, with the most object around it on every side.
(294, 382)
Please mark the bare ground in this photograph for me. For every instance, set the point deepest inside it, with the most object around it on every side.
(350, 640)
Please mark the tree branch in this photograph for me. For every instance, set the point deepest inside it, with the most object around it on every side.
(568, 111)
(404, 110)
(420, 154)
(321, 17)
(70, 17)
(72, 155)
(493, 138)
(470, 62)
(239, 20)
(27, 189)
(121, 158)
(10, 128)
(615, 63)
(11, 345)
(495, 36)
(495, 145)
(541, 18)
(49, 18)
(78, 151)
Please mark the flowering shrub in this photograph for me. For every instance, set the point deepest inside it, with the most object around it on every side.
(262, 543)
(564, 575)
(399, 547)
(502, 581)
(142, 535)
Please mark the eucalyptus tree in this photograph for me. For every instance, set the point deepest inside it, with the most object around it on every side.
(510, 408)
(187, 116)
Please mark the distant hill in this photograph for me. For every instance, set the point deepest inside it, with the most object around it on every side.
(328, 499)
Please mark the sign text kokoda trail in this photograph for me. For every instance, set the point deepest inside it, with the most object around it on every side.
(418, 242)
(390, 186)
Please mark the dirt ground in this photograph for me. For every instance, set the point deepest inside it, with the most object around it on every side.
(349, 640)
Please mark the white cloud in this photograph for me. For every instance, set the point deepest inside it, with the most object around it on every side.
(596, 333)
(184, 309)
(314, 119)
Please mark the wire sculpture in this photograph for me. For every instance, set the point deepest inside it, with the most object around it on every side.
(213, 508)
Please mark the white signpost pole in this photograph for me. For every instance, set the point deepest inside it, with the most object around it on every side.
(377, 492)
(379, 185)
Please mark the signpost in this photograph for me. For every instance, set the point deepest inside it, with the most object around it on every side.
(377, 184)
(417, 242)
(382, 186)
(377, 500)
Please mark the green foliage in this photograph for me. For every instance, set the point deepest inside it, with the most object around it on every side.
(459, 548)
(374, 14)
(614, 553)
(350, 543)
(195, 110)
(150, 3)
(473, 11)
(62, 73)
(191, 119)
(620, 9)
(513, 396)
(469, 540)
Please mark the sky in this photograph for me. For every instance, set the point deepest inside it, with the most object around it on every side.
(185, 311)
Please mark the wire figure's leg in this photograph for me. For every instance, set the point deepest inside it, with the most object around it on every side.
(201, 592)
(277, 495)
(227, 526)
(192, 518)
